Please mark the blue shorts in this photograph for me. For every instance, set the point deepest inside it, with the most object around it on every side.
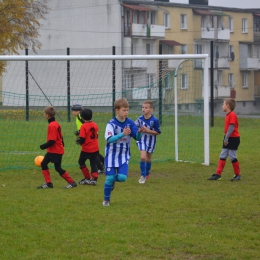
(123, 169)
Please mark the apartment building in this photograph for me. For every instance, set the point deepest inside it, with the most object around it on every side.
(235, 34)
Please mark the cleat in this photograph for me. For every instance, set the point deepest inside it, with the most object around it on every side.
(142, 180)
(46, 186)
(147, 176)
(236, 178)
(106, 203)
(71, 185)
(84, 181)
(215, 177)
(92, 182)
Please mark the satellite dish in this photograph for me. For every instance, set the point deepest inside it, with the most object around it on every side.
(208, 27)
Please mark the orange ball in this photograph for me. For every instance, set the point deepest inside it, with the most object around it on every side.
(38, 160)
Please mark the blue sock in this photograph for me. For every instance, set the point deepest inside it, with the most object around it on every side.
(143, 168)
(107, 191)
(148, 167)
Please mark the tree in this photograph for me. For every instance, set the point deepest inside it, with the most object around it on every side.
(19, 25)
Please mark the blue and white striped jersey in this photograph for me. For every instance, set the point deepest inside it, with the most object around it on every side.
(118, 153)
(148, 141)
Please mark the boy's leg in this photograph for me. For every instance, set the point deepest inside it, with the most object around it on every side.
(221, 165)
(46, 173)
(99, 165)
(65, 175)
(235, 164)
(108, 185)
(94, 169)
(101, 158)
(84, 169)
(142, 166)
(111, 177)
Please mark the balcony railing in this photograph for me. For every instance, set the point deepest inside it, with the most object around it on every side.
(250, 64)
(209, 33)
(142, 30)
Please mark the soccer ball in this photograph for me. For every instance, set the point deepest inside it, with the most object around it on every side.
(38, 160)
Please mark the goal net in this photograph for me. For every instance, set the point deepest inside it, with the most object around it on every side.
(177, 85)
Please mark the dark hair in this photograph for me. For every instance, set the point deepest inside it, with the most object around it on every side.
(76, 107)
(86, 114)
(231, 102)
(121, 102)
(50, 111)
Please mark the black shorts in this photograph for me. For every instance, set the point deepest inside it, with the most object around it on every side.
(233, 143)
(54, 157)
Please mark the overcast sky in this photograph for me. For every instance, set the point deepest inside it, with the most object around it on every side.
(228, 3)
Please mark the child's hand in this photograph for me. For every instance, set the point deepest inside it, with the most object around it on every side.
(143, 129)
(127, 131)
(225, 143)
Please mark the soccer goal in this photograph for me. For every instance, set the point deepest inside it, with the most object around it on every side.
(177, 85)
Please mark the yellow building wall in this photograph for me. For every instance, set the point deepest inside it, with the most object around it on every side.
(193, 32)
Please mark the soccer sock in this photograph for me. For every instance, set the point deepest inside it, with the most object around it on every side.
(221, 165)
(148, 168)
(94, 175)
(236, 167)
(46, 175)
(85, 171)
(107, 191)
(67, 177)
(143, 168)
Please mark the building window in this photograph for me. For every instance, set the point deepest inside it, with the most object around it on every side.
(183, 49)
(168, 81)
(133, 48)
(166, 20)
(244, 25)
(184, 82)
(183, 21)
(150, 81)
(130, 79)
(245, 80)
(231, 80)
(231, 52)
(231, 24)
(148, 49)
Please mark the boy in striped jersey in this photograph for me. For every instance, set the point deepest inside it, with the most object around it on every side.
(146, 145)
(119, 131)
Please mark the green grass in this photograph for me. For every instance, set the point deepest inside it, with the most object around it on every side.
(177, 214)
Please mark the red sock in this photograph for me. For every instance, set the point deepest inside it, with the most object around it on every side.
(85, 171)
(236, 168)
(46, 175)
(221, 165)
(94, 175)
(67, 177)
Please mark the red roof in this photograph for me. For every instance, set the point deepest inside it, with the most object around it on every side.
(138, 8)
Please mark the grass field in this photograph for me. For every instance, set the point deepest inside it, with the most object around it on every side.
(176, 214)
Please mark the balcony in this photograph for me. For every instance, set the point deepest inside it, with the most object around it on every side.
(222, 63)
(249, 64)
(207, 33)
(221, 34)
(142, 30)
